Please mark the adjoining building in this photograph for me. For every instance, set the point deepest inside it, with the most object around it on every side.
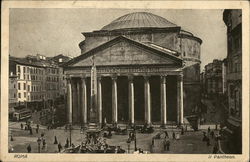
(12, 92)
(148, 72)
(213, 79)
(233, 21)
(36, 80)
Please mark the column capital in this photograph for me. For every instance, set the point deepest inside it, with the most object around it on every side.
(146, 77)
(114, 77)
(180, 77)
(99, 78)
(83, 77)
(130, 78)
(163, 79)
(68, 79)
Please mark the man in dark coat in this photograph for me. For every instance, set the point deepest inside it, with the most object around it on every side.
(55, 141)
(167, 143)
(21, 125)
(59, 147)
(173, 135)
(182, 130)
(29, 148)
(166, 134)
(31, 131)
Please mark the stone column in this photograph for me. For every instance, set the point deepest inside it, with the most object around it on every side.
(78, 101)
(114, 99)
(131, 100)
(84, 101)
(163, 101)
(69, 100)
(99, 100)
(180, 99)
(147, 98)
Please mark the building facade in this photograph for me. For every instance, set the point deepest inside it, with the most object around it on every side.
(12, 90)
(38, 79)
(213, 78)
(147, 68)
(233, 21)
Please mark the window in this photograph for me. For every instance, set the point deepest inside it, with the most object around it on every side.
(24, 86)
(28, 88)
(24, 76)
(18, 69)
(14, 95)
(19, 95)
(24, 94)
(19, 86)
(24, 70)
(18, 76)
(14, 85)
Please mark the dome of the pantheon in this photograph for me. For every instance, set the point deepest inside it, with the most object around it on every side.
(138, 20)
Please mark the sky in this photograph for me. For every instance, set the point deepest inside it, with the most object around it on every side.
(58, 31)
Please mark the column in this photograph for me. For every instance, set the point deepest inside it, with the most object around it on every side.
(69, 100)
(131, 100)
(84, 101)
(114, 99)
(99, 100)
(180, 99)
(163, 101)
(147, 98)
(78, 101)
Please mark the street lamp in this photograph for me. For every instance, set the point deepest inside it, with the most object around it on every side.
(70, 128)
(39, 142)
(135, 139)
(128, 142)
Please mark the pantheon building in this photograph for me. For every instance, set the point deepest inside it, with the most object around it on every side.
(147, 71)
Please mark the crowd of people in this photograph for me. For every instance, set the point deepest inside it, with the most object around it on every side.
(93, 143)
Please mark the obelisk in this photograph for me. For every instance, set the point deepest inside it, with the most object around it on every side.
(93, 106)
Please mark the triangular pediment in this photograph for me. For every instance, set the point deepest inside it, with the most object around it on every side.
(123, 51)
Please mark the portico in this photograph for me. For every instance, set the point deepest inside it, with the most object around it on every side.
(139, 86)
(78, 106)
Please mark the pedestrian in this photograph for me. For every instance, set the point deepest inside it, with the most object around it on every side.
(208, 130)
(153, 141)
(182, 130)
(216, 127)
(59, 147)
(36, 130)
(42, 134)
(44, 144)
(212, 134)
(204, 138)
(11, 138)
(48, 127)
(208, 142)
(55, 141)
(29, 148)
(166, 134)
(173, 135)
(168, 144)
(215, 149)
(21, 125)
(67, 143)
(31, 133)
(37, 126)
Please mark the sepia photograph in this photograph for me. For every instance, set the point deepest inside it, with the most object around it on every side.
(120, 80)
